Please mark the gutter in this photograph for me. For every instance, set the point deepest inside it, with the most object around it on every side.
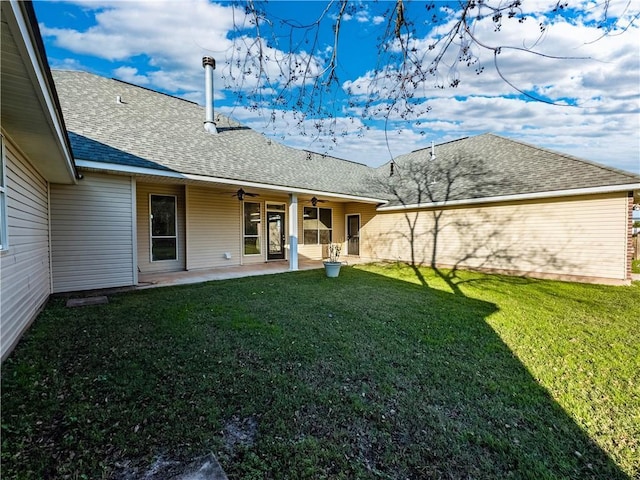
(510, 198)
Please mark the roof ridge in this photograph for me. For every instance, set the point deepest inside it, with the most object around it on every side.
(153, 91)
(439, 144)
(324, 155)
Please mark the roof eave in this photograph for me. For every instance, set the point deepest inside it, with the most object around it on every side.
(24, 26)
(511, 198)
(141, 171)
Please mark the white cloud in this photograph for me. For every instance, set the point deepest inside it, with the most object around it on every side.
(130, 74)
(67, 64)
(362, 16)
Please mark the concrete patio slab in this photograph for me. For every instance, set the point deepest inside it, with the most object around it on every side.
(150, 280)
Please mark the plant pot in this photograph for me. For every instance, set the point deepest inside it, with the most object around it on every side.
(332, 269)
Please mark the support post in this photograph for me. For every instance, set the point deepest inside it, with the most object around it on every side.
(293, 232)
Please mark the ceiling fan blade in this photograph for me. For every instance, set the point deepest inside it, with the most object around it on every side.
(316, 200)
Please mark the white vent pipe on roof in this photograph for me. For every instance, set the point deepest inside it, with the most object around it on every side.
(209, 65)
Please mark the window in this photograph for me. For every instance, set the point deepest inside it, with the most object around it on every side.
(317, 225)
(251, 228)
(164, 240)
(3, 198)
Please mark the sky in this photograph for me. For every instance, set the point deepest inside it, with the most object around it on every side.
(590, 107)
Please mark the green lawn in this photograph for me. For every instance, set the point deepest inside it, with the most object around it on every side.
(635, 266)
(384, 372)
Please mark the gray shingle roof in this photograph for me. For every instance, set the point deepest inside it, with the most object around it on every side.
(158, 131)
(492, 166)
(154, 130)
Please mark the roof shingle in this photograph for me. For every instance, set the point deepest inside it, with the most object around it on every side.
(154, 130)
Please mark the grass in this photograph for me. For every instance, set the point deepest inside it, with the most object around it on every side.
(635, 266)
(379, 373)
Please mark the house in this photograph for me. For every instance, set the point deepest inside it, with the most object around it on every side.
(483, 202)
(496, 204)
(135, 182)
(35, 154)
(160, 193)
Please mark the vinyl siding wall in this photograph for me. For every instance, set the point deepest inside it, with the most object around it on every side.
(143, 192)
(572, 237)
(213, 226)
(92, 233)
(25, 282)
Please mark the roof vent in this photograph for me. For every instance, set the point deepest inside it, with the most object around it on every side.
(433, 151)
(209, 65)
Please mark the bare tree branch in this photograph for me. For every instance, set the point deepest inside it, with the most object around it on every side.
(298, 75)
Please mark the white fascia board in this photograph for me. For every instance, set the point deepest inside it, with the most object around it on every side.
(131, 170)
(511, 198)
(26, 35)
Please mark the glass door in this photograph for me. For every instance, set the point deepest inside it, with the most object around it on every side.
(353, 235)
(275, 235)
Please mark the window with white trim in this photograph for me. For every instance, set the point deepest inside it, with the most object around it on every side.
(252, 228)
(317, 225)
(3, 198)
(164, 228)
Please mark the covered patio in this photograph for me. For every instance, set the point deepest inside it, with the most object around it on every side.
(150, 280)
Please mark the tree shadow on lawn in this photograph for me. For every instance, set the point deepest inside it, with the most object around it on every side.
(361, 376)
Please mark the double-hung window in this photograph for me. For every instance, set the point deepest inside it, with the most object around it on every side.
(252, 228)
(164, 228)
(3, 198)
(317, 225)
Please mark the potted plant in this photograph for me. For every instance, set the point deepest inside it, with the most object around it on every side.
(332, 264)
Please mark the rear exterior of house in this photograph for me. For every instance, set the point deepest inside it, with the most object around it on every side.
(496, 204)
(581, 238)
(35, 155)
(164, 196)
(167, 196)
(111, 228)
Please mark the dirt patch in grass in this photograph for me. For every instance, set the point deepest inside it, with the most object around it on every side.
(239, 432)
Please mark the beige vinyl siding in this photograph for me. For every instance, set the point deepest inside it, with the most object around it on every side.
(143, 193)
(213, 224)
(25, 282)
(573, 236)
(92, 233)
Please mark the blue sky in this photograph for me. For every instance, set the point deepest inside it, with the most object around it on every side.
(159, 45)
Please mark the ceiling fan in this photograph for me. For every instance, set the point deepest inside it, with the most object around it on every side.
(315, 201)
(241, 194)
